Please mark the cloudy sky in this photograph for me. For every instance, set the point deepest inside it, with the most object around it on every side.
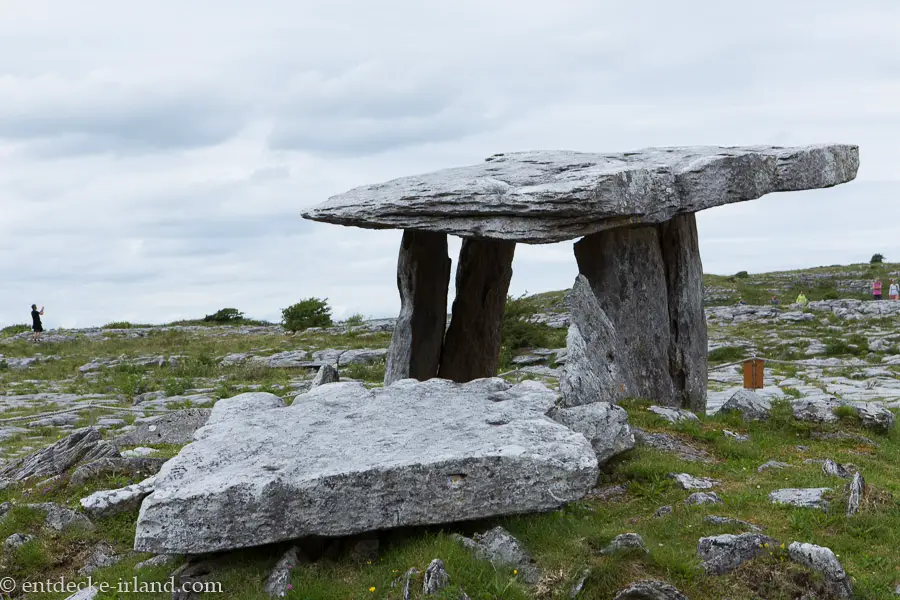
(155, 157)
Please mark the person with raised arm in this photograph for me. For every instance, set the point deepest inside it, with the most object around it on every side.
(36, 324)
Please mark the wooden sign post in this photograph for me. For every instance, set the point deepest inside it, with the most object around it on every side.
(753, 373)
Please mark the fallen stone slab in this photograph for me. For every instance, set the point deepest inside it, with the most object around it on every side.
(421, 453)
(722, 554)
(105, 503)
(752, 406)
(649, 589)
(174, 428)
(55, 459)
(801, 497)
(603, 424)
(674, 415)
(243, 405)
(502, 550)
(823, 560)
(689, 482)
(552, 196)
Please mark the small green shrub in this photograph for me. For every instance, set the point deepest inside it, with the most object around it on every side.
(224, 315)
(876, 259)
(727, 354)
(312, 312)
(846, 412)
(742, 275)
(118, 325)
(14, 330)
(517, 332)
(355, 319)
(830, 295)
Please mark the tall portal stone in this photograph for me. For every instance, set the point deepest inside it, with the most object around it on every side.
(472, 344)
(423, 276)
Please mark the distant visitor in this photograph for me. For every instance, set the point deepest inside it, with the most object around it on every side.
(774, 301)
(36, 322)
(876, 290)
(801, 299)
(894, 290)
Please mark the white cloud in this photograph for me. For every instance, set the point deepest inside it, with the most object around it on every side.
(156, 157)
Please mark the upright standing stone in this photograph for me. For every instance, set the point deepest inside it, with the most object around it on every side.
(423, 276)
(684, 285)
(626, 272)
(472, 345)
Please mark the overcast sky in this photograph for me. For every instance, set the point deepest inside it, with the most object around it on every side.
(155, 157)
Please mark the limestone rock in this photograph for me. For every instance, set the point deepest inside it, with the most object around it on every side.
(60, 518)
(551, 196)
(829, 467)
(362, 356)
(157, 561)
(88, 593)
(724, 553)
(823, 560)
(738, 437)
(276, 585)
(243, 405)
(604, 425)
(16, 541)
(802, 497)
(436, 578)
(503, 550)
(857, 489)
(102, 555)
(625, 542)
(716, 520)
(674, 415)
(753, 406)
(671, 444)
(817, 409)
(55, 459)
(174, 428)
(108, 466)
(326, 374)
(772, 464)
(698, 498)
(649, 589)
(874, 416)
(689, 482)
(105, 503)
(476, 450)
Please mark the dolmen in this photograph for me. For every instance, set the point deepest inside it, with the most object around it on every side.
(638, 327)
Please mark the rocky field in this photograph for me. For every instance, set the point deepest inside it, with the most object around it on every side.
(787, 492)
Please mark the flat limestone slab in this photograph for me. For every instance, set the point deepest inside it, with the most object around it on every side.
(344, 459)
(550, 196)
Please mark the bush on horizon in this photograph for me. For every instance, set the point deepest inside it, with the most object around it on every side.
(311, 312)
(14, 330)
(876, 259)
(225, 315)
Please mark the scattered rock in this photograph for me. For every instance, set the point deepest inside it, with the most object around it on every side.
(60, 518)
(106, 503)
(578, 586)
(278, 581)
(625, 542)
(874, 416)
(663, 511)
(55, 459)
(671, 444)
(802, 497)
(436, 577)
(102, 555)
(502, 550)
(156, 561)
(326, 374)
(471, 443)
(731, 521)
(16, 541)
(604, 425)
(816, 409)
(772, 464)
(829, 467)
(857, 489)
(823, 560)
(173, 428)
(698, 498)
(689, 482)
(674, 415)
(735, 436)
(649, 589)
(130, 467)
(753, 406)
(607, 494)
(88, 593)
(724, 553)
(138, 452)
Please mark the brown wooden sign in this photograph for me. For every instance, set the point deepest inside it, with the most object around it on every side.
(753, 373)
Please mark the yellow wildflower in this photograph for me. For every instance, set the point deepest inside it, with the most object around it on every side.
(372, 589)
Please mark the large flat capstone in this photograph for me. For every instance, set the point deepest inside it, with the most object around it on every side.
(344, 459)
(551, 196)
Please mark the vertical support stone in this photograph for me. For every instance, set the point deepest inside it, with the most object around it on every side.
(472, 344)
(688, 334)
(423, 277)
(627, 274)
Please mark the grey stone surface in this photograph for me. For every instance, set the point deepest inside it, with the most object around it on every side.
(502, 550)
(674, 415)
(823, 560)
(716, 520)
(829, 467)
(625, 542)
(173, 428)
(857, 489)
(101, 555)
(105, 503)
(156, 561)
(551, 196)
(326, 374)
(690, 482)
(604, 425)
(724, 553)
(752, 406)
(802, 497)
(276, 585)
(874, 416)
(423, 278)
(87, 593)
(436, 578)
(107, 466)
(665, 442)
(243, 405)
(650, 589)
(420, 453)
(16, 541)
(60, 518)
(738, 437)
(816, 409)
(55, 459)
(472, 343)
(578, 586)
(772, 464)
(699, 498)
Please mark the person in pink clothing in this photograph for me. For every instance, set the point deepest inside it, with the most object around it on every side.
(876, 290)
